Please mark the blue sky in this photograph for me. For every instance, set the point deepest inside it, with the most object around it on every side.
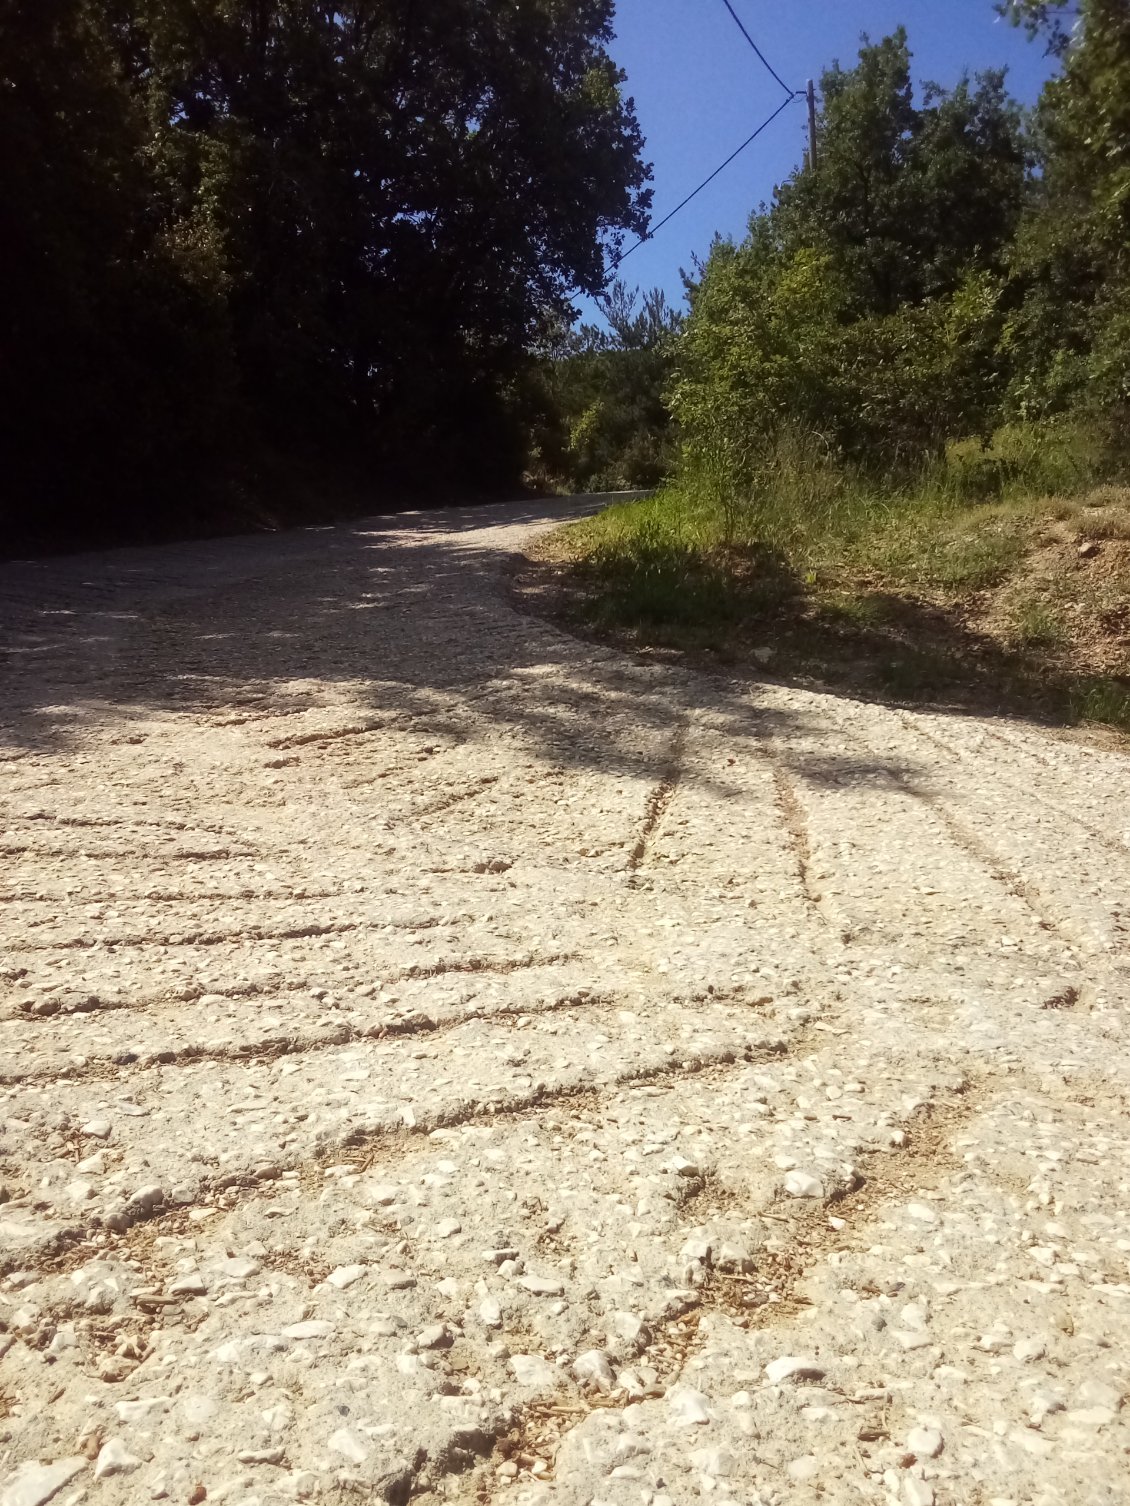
(700, 91)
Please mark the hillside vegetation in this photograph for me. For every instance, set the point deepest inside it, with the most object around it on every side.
(901, 403)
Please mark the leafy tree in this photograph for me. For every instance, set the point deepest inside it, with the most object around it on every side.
(605, 423)
(404, 191)
(110, 355)
(907, 198)
(339, 227)
(1069, 338)
(863, 307)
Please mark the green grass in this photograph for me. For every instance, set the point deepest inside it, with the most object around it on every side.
(1035, 623)
(849, 578)
(1102, 700)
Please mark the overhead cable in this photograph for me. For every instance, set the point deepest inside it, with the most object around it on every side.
(738, 22)
(768, 121)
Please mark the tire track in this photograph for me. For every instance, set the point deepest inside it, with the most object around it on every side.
(660, 799)
(373, 1144)
(488, 966)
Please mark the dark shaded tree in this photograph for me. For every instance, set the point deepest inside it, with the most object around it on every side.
(604, 423)
(339, 227)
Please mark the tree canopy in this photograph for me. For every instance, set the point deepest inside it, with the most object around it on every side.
(335, 225)
(862, 307)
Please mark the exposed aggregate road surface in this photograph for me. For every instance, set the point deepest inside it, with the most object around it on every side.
(443, 1059)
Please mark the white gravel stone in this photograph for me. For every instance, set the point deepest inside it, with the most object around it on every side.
(311, 1328)
(715, 1463)
(138, 1411)
(595, 1368)
(924, 1443)
(916, 1492)
(350, 1445)
(688, 1408)
(1099, 1393)
(490, 1312)
(33, 1484)
(791, 1367)
(346, 1275)
(114, 1458)
(542, 1286)
(1029, 1350)
(192, 1284)
(533, 1370)
(803, 1184)
(804, 1468)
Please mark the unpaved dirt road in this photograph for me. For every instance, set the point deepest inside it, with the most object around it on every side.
(442, 1058)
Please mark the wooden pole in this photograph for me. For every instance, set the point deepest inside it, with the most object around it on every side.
(811, 93)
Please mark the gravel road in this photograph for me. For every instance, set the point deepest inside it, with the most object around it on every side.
(441, 1058)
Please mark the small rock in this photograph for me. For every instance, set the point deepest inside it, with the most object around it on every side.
(791, 1367)
(239, 1268)
(435, 1336)
(1088, 550)
(689, 1408)
(807, 1467)
(916, 1492)
(1044, 1404)
(490, 1312)
(313, 1328)
(914, 1315)
(190, 1285)
(716, 1463)
(1092, 1417)
(542, 1286)
(34, 1483)
(346, 1275)
(138, 1411)
(632, 1330)
(115, 1459)
(261, 1456)
(802, 1184)
(924, 1443)
(97, 1129)
(734, 1258)
(1097, 1393)
(447, 1227)
(993, 1343)
(921, 1213)
(909, 1339)
(350, 1445)
(532, 1370)
(1027, 1350)
(595, 1367)
(148, 1198)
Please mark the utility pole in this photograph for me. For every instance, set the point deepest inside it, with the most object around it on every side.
(811, 93)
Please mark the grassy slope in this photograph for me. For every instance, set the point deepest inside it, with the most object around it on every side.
(1020, 604)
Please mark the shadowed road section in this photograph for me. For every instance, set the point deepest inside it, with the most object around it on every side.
(440, 1058)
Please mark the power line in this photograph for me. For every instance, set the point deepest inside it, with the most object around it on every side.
(768, 121)
(765, 61)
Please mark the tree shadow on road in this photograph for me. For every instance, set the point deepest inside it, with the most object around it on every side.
(398, 622)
